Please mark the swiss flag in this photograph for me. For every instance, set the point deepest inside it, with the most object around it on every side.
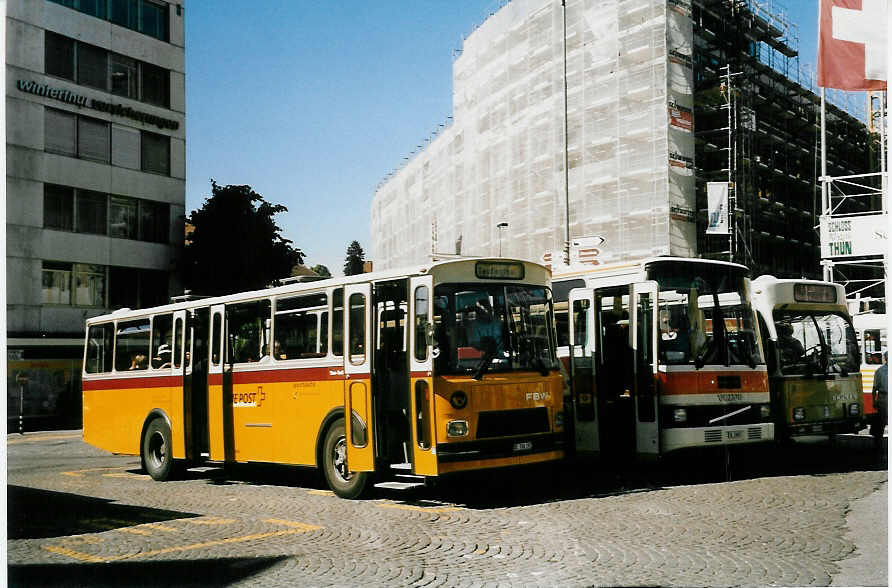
(852, 44)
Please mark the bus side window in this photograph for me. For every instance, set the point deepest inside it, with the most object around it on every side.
(297, 327)
(215, 340)
(178, 343)
(247, 327)
(562, 324)
(100, 346)
(337, 322)
(579, 323)
(161, 340)
(132, 345)
(873, 347)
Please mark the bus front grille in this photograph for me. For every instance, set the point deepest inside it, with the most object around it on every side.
(712, 436)
(754, 433)
(505, 423)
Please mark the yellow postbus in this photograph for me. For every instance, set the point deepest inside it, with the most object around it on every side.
(813, 356)
(407, 375)
(664, 355)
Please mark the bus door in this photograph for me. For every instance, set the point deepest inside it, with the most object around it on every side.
(219, 414)
(643, 342)
(358, 408)
(421, 366)
(196, 364)
(179, 370)
(583, 391)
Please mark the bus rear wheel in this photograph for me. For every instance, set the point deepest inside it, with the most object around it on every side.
(341, 480)
(157, 456)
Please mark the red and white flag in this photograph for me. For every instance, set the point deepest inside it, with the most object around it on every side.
(852, 42)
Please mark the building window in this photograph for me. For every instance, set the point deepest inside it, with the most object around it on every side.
(56, 283)
(76, 136)
(124, 80)
(126, 142)
(145, 16)
(122, 218)
(155, 153)
(89, 285)
(60, 132)
(154, 221)
(97, 68)
(92, 210)
(153, 19)
(59, 56)
(92, 66)
(93, 140)
(155, 84)
(58, 208)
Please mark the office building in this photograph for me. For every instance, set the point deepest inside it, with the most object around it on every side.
(95, 186)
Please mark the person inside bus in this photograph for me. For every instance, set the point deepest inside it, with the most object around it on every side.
(485, 332)
(674, 341)
(162, 360)
(139, 362)
(791, 349)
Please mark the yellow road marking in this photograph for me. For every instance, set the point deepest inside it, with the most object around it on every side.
(72, 553)
(15, 441)
(134, 531)
(80, 473)
(301, 526)
(161, 527)
(126, 475)
(321, 492)
(420, 508)
(210, 521)
(94, 558)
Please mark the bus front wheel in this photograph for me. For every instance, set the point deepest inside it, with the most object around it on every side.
(156, 450)
(341, 480)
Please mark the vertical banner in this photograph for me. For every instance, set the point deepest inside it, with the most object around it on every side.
(717, 208)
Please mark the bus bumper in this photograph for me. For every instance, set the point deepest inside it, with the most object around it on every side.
(473, 455)
(683, 438)
(824, 428)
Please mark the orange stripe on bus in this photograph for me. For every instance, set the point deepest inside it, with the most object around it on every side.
(707, 382)
(127, 383)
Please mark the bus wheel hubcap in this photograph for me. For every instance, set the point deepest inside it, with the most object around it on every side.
(157, 449)
(340, 459)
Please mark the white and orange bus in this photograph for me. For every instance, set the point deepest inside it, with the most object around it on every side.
(664, 355)
(407, 375)
(872, 330)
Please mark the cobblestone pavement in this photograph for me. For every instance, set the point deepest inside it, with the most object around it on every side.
(78, 515)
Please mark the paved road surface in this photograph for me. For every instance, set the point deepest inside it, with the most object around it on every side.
(791, 517)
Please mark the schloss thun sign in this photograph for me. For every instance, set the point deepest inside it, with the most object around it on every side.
(117, 109)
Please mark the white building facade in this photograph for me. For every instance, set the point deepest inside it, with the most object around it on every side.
(95, 186)
(630, 146)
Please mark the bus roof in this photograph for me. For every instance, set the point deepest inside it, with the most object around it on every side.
(297, 287)
(568, 272)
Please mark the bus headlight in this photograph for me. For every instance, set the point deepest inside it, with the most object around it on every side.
(765, 411)
(826, 411)
(457, 428)
(558, 420)
(854, 409)
(680, 415)
(799, 413)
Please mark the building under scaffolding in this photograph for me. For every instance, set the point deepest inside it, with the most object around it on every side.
(642, 102)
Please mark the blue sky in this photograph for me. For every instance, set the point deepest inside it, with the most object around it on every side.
(312, 103)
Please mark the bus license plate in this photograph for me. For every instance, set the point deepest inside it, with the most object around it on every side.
(523, 446)
(734, 434)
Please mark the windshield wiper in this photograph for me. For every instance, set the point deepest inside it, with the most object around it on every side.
(487, 359)
(533, 350)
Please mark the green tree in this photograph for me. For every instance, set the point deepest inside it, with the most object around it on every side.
(236, 244)
(321, 270)
(354, 260)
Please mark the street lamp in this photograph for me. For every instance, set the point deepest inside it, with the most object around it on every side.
(501, 226)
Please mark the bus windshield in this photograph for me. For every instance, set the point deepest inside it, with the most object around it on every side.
(492, 327)
(815, 343)
(705, 316)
